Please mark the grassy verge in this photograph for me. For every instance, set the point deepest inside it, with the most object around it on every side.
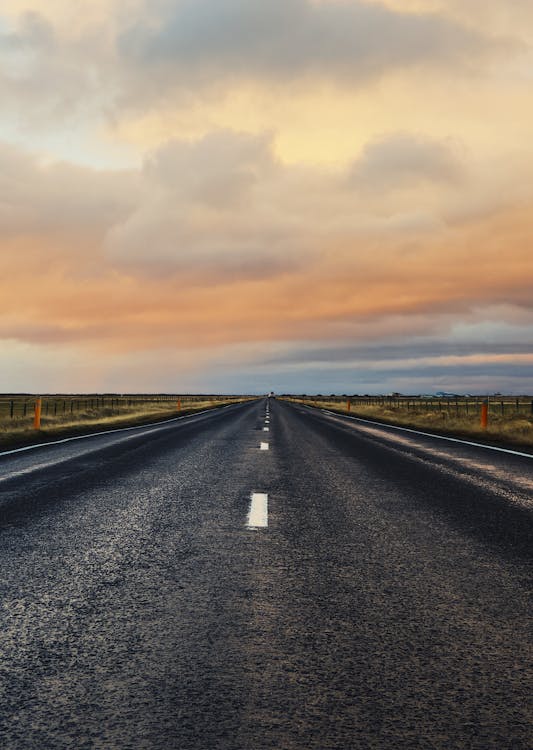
(20, 432)
(511, 431)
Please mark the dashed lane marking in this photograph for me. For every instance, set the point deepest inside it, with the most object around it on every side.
(258, 514)
(265, 446)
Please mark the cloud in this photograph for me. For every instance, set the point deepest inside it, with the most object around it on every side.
(225, 205)
(214, 244)
(214, 205)
(36, 196)
(58, 65)
(405, 160)
(68, 75)
(218, 170)
(302, 172)
(196, 43)
(33, 33)
(414, 348)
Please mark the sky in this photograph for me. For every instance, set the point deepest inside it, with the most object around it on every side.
(309, 196)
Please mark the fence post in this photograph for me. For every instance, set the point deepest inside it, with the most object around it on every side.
(37, 413)
(484, 415)
(179, 404)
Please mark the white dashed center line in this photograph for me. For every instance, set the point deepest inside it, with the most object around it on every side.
(264, 446)
(266, 429)
(258, 515)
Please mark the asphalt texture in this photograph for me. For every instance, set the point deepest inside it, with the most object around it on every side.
(384, 606)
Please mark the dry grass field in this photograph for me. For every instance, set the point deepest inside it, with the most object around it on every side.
(512, 427)
(70, 415)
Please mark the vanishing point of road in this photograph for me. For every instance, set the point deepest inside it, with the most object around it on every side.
(264, 576)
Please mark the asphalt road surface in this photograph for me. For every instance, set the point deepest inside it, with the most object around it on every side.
(227, 583)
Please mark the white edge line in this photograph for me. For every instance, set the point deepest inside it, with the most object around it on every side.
(428, 434)
(110, 432)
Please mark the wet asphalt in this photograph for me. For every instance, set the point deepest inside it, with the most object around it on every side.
(386, 605)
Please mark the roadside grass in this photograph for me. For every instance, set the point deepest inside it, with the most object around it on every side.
(20, 431)
(512, 429)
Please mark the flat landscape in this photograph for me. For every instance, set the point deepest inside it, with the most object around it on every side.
(509, 418)
(266, 575)
(67, 415)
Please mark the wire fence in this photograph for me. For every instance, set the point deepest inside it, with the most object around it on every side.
(459, 406)
(16, 408)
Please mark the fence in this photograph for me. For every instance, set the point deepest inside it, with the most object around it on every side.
(21, 407)
(458, 406)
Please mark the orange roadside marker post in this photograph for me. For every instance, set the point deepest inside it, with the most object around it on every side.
(348, 405)
(484, 415)
(179, 404)
(37, 413)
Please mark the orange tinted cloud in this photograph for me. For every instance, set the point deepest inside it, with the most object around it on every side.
(57, 293)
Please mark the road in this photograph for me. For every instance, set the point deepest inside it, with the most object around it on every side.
(373, 594)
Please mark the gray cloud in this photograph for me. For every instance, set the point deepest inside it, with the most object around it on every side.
(32, 33)
(212, 205)
(219, 170)
(186, 48)
(37, 197)
(405, 160)
(45, 74)
(202, 42)
(391, 352)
